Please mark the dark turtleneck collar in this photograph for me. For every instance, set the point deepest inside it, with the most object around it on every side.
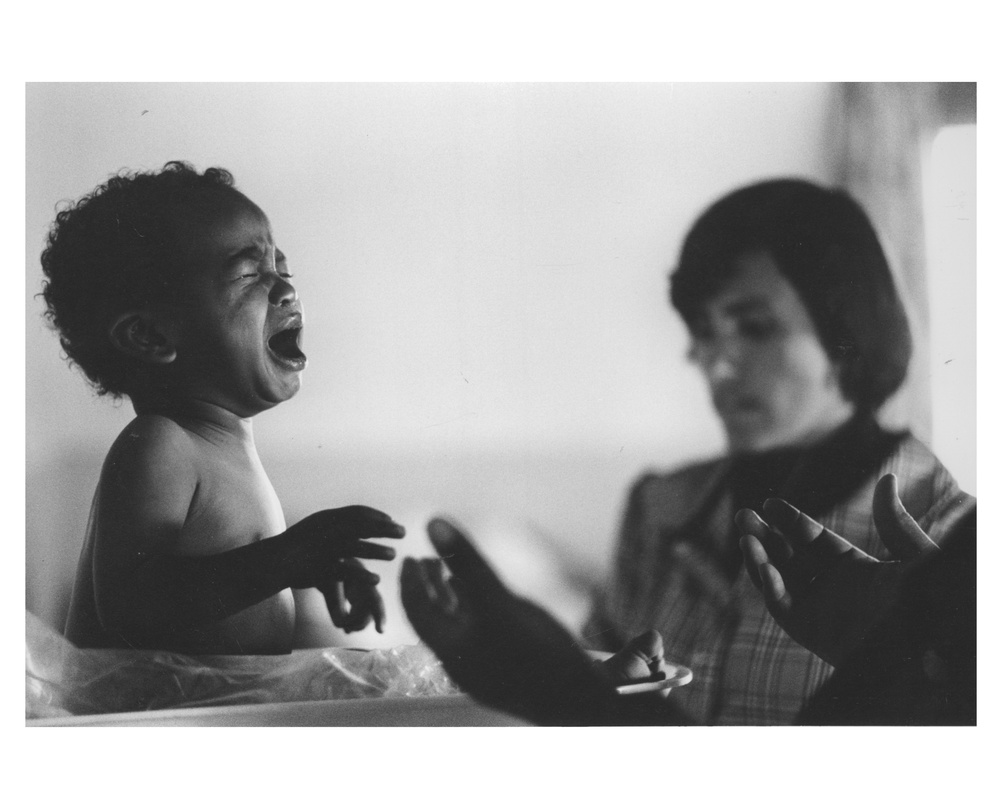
(817, 478)
(814, 479)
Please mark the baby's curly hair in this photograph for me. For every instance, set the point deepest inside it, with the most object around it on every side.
(119, 248)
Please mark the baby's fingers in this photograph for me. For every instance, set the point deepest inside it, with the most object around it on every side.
(336, 603)
(365, 600)
(362, 522)
(366, 549)
(366, 605)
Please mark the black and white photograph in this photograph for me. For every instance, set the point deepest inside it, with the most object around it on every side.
(546, 320)
(641, 413)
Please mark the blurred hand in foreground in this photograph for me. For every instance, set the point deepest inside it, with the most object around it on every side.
(822, 590)
(507, 651)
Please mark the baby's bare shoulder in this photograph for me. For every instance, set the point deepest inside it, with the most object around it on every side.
(151, 445)
(148, 482)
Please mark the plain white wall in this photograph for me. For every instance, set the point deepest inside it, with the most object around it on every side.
(950, 208)
(483, 270)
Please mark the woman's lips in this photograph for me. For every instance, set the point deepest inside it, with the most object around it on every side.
(737, 402)
(739, 407)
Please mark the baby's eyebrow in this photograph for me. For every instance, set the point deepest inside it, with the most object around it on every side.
(252, 252)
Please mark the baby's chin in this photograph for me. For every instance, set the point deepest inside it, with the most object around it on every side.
(286, 392)
(265, 396)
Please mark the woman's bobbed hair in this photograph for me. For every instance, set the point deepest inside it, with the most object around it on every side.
(826, 247)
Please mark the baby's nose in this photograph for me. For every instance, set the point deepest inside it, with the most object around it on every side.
(283, 293)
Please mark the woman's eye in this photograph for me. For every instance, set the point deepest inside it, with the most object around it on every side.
(695, 350)
(762, 328)
(699, 331)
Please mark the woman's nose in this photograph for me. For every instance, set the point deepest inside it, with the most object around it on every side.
(721, 368)
(283, 293)
(720, 360)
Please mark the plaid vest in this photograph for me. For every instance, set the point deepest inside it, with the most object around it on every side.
(747, 670)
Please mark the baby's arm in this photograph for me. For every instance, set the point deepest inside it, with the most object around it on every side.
(150, 586)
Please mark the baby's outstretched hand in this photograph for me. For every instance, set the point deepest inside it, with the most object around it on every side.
(352, 597)
(321, 543)
(322, 553)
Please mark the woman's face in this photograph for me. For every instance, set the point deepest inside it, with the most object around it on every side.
(771, 381)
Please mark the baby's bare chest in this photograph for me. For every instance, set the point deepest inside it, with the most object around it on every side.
(233, 504)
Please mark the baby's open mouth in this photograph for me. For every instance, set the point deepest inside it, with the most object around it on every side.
(285, 344)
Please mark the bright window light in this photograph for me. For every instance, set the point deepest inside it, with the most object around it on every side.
(950, 213)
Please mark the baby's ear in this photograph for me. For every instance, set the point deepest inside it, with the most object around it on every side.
(142, 335)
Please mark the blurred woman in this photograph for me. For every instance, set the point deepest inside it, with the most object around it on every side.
(798, 329)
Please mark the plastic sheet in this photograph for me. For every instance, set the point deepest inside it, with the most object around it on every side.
(61, 679)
